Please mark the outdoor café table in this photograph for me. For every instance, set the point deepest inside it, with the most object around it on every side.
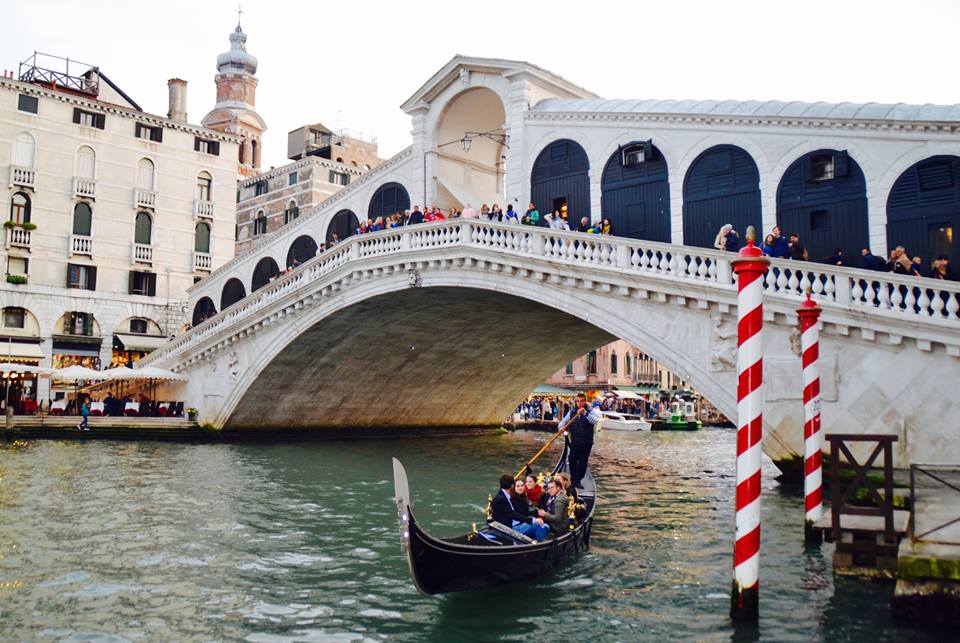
(132, 408)
(58, 407)
(96, 408)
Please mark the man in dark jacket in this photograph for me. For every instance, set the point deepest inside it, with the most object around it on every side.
(781, 248)
(797, 251)
(416, 216)
(579, 423)
(501, 506)
(872, 261)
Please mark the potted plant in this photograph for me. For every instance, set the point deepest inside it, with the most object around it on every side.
(16, 279)
(191, 414)
(29, 225)
(9, 225)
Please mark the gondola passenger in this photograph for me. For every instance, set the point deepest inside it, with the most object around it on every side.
(519, 518)
(555, 511)
(534, 491)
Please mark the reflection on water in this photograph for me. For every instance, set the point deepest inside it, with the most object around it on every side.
(115, 541)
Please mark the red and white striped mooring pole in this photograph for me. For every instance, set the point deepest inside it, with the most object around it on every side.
(809, 314)
(750, 267)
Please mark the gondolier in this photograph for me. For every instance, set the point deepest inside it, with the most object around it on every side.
(579, 423)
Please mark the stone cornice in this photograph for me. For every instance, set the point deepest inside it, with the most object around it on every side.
(298, 165)
(109, 108)
(916, 127)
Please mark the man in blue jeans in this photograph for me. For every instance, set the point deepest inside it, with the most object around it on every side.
(85, 414)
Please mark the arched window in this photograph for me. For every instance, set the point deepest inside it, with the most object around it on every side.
(613, 363)
(233, 291)
(204, 309)
(82, 219)
(302, 250)
(260, 224)
(201, 238)
(265, 270)
(628, 364)
(144, 229)
(343, 224)
(254, 159)
(291, 212)
(592, 363)
(145, 174)
(24, 150)
(86, 162)
(204, 186)
(20, 208)
(240, 151)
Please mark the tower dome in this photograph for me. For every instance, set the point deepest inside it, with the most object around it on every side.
(237, 59)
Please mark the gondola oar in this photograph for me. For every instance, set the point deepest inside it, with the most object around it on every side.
(539, 453)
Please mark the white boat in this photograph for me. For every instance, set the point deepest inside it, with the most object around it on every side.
(613, 421)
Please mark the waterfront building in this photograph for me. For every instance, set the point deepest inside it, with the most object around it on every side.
(112, 213)
(617, 365)
(324, 162)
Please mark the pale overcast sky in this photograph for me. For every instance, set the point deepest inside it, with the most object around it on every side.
(353, 63)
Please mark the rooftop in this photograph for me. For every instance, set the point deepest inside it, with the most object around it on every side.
(757, 108)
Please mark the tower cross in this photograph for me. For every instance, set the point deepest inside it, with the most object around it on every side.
(239, 12)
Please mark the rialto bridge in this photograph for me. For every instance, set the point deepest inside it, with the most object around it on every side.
(450, 323)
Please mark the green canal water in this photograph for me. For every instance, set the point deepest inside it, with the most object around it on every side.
(111, 541)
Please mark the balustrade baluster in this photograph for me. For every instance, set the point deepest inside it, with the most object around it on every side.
(953, 305)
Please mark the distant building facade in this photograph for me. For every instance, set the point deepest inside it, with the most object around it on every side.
(111, 214)
(616, 364)
(324, 163)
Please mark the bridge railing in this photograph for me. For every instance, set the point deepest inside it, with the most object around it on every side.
(892, 296)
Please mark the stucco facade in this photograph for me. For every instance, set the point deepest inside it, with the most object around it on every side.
(116, 205)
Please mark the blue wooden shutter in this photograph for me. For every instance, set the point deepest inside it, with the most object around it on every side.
(841, 164)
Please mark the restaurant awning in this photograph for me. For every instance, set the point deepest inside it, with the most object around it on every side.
(80, 345)
(546, 389)
(145, 343)
(21, 351)
(640, 389)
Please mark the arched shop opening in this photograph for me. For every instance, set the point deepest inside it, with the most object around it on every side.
(823, 197)
(636, 192)
(923, 209)
(560, 180)
(722, 186)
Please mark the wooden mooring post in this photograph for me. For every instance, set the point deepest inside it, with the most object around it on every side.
(866, 530)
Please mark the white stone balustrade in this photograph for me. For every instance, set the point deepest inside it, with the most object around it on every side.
(81, 244)
(202, 261)
(86, 188)
(142, 253)
(855, 293)
(23, 176)
(18, 238)
(203, 208)
(144, 199)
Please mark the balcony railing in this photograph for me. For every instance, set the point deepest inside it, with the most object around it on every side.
(203, 208)
(142, 253)
(145, 199)
(81, 244)
(18, 238)
(86, 188)
(202, 261)
(23, 176)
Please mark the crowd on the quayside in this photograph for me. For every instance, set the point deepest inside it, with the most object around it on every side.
(775, 244)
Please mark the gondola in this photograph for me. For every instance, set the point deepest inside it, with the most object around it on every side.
(492, 555)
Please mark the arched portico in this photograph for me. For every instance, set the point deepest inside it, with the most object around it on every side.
(923, 209)
(636, 192)
(265, 270)
(560, 180)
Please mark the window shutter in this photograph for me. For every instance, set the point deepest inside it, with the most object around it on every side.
(137, 130)
(215, 148)
(87, 324)
(648, 150)
(92, 281)
(99, 120)
(131, 281)
(156, 134)
(196, 144)
(841, 164)
(152, 284)
(76, 115)
(70, 279)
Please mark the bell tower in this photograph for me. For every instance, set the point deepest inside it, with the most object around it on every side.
(235, 111)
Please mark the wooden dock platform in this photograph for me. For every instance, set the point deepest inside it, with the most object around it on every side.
(61, 427)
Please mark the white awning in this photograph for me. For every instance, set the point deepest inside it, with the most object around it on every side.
(20, 351)
(141, 342)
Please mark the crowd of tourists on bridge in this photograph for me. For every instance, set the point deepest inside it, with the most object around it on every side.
(899, 262)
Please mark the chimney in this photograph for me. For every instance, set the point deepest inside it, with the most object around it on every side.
(178, 100)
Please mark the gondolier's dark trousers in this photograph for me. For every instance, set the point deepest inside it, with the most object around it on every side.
(579, 454)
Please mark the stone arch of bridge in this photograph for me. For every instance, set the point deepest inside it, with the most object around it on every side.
(324, 369)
